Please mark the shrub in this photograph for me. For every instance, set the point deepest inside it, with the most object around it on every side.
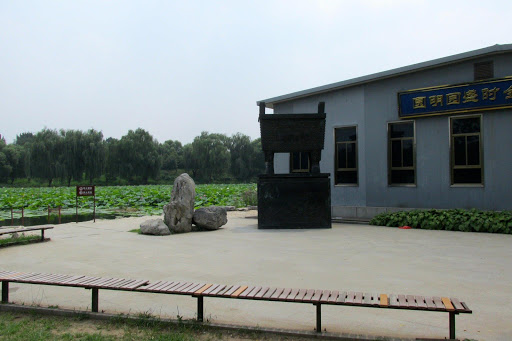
(452, 220)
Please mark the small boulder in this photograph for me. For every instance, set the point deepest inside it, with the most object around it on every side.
(155, 227)
(179, 211)
(210, 218)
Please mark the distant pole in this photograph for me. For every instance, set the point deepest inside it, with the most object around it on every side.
(94, 211)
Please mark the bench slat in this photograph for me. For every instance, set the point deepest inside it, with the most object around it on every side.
(203, 289)
(40, 277)
(420, 301)
(439, 304)
(246, 292)
(466, 308)
(56, 280)
(309, 295)
(284, 294)
(19, 276)
(367, 299)
(217, 289)
(358, 298)
(172, 286)
(100, 281)
(113, 283)
(239, 291)
(291, 296)
(333, 297)
(383, 300)
(231, 290)
(447, 304)
(375, 300)
(31, 276)
(194, 288)
(70, 280)
(135, 284)
(276, 294)
(12, 275)
(325, 296)
(269, 293)
(157, 285)
(223, 291)
(120, 285)
(164, 285)
(350, 297)
(300, 295)
(254, 291)
(456, 304)
(411, 301)
(210, 289)
(393, 301)
(152, 284)
(84, 280)
(317, 296)
(262, 292)
(429, 301)
(402, 301)
(179, 288)
(342, 297)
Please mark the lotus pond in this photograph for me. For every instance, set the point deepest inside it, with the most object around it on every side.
(112, 201)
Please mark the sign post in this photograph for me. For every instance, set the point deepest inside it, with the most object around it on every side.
(86, 191)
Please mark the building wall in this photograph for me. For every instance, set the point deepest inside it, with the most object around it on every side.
(371, 106)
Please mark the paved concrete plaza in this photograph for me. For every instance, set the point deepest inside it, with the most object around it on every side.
(472, 267)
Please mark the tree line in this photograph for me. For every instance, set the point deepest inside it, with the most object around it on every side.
(136, 158)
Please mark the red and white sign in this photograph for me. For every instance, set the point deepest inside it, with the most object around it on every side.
(85, 191)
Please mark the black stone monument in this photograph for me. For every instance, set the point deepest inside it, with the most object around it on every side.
(295, 200)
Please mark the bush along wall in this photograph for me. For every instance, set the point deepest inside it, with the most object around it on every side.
(451, 220)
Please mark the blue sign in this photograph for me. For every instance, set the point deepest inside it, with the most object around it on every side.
(477, 96)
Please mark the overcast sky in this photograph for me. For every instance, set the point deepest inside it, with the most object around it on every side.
(176, 68)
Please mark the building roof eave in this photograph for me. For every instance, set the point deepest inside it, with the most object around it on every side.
(457, 58)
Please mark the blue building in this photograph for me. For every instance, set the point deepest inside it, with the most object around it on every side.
(437, 134)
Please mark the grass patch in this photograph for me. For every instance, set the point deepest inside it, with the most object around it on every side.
(135, 231)
(33, 327)
(19, 240)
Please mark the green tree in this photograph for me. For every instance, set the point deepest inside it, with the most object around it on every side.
(171, 153)
(241, 151)
(257, 160)
(209, 155)
(139, 155)
(14, 156)
(73, 154)
(44, 154)
(24, 138)
(94, 154)
(25, 141)
(5, 167)
(112, 159)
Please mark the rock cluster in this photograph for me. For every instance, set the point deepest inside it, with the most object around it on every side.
(179, 212)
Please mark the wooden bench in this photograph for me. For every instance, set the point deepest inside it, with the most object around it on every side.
(452, 306)
(10, 230)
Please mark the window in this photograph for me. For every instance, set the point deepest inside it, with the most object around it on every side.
(483, 70)
(401, 153)
(299, 162)
(466, 150)
(345, 166)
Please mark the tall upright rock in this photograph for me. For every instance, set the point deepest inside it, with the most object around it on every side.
(178, 213)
